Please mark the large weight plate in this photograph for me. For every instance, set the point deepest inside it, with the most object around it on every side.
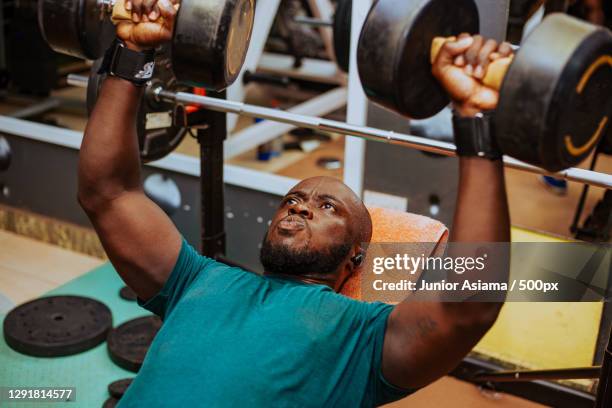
(110, 403)
(342, 33)
(394, 51)
(75, 27)
(127, 294)
(57, 326)
(116, 389)
(210, 41)
(157, 135)
(556, 99)
(128, 343)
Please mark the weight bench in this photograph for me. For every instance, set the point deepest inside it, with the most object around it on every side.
(393, 226)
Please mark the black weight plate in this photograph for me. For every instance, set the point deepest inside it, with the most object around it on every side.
(57, 326)
(342, 33)
(394, 51)
(211, 40)
(556, 98)
(127, 294)
(75, 27)
(128, 343)
(156, 139)
(116, 389)
(157, 135)
(110, 403)
(606, 142)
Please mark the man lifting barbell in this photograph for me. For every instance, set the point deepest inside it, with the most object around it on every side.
(233, 338)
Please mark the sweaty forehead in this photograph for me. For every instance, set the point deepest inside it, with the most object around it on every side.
(326, 186)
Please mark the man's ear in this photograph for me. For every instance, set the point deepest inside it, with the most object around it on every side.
(358, 258)
(355, 262)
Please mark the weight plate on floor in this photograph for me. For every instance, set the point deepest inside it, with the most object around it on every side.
(127, 294)
(75, 27)
(57, 326)
(157, 134)
(128, 343)
(394, 51)
(556, 99)
(116, 389)
(110, 403)
(211, 40)
(342, 33)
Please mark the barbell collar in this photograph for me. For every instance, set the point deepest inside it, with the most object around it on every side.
(589, 177)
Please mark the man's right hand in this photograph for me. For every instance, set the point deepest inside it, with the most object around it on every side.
(152, 23)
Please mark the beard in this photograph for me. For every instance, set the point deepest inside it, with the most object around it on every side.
(281, 259)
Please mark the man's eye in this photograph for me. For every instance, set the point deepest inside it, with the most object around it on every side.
(328, 206)
(291, 201)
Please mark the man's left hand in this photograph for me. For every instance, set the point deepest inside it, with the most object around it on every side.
(152, 23)
(460, 67)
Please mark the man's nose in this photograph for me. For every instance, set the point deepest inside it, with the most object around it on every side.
(302, 210)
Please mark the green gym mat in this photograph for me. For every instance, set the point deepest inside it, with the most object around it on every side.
(89, 372)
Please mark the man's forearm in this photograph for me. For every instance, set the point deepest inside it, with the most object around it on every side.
(109, 162)
(417, 331)
(481, 214)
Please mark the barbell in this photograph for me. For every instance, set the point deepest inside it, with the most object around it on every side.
(327, 125)
(214, 34)
(407, 62)
(555, 94)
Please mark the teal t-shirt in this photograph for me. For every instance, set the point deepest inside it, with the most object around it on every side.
(232, 338)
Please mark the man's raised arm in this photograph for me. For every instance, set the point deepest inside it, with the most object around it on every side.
(140, 240)
(426, 340)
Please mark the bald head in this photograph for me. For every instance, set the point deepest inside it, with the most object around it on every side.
(361, 225)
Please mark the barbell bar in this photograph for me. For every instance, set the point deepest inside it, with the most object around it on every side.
(589, 177)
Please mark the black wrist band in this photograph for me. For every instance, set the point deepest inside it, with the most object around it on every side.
(122, 62)
(475, 136)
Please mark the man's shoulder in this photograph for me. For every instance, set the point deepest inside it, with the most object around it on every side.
(232, 273)
(367, 311)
